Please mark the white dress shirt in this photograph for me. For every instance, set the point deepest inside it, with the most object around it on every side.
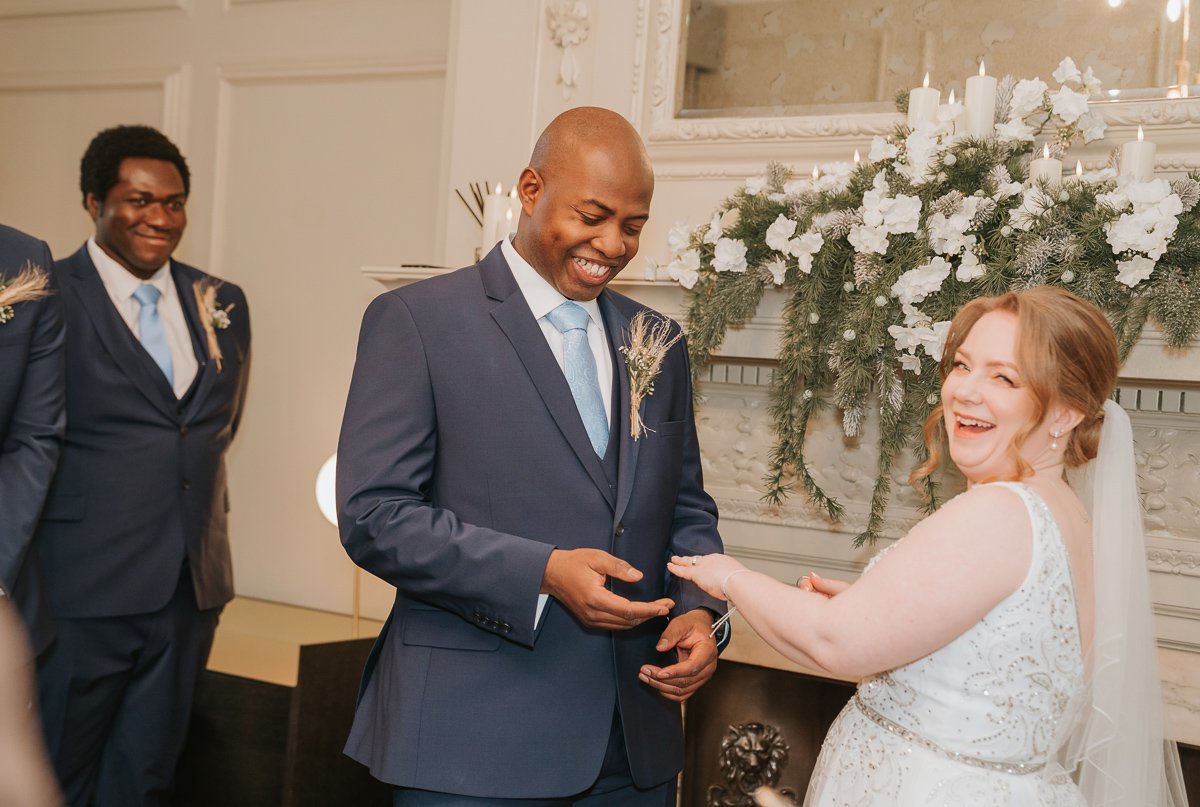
(120, 284)
(543, 298)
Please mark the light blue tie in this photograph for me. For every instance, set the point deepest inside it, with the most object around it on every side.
(150, 329)
(579, 365)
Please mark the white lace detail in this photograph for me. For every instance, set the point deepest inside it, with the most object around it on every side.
(978, 721)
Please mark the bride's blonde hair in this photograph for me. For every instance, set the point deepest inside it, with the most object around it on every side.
(1066, 354)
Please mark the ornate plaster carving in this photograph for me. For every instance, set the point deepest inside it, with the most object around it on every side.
(569, 26)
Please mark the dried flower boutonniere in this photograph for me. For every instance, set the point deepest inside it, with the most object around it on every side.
(32, 283)
(649, 340)
(213, 315)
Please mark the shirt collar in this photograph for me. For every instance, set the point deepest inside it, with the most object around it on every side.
(541, 297)
(120, 282)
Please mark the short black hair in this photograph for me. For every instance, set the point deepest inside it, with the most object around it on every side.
(100, 167)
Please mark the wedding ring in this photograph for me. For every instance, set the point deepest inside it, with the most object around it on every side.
(695, 559)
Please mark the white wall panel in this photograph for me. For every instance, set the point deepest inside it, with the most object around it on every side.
(317, 176)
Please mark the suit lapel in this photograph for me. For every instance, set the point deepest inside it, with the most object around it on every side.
(127, 352)
(617, 325)
(523, 332)
(206, 370)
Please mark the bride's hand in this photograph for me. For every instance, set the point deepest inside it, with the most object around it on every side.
(822, 585)
(706, 571)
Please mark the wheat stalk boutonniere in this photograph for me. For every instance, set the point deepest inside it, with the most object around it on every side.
(32, 283)
(213, 315)
(649, 340)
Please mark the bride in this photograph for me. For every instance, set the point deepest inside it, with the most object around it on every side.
(1005, 644)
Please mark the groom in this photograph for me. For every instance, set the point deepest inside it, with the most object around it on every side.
(537, 649)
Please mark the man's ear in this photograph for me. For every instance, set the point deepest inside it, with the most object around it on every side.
(530, 188)
(93, 205)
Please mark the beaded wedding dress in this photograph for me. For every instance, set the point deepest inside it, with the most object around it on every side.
(978, 722)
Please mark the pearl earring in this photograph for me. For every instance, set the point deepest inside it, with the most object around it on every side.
(1054, 443)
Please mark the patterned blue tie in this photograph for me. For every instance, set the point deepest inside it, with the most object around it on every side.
(579, 365)
(150, 329)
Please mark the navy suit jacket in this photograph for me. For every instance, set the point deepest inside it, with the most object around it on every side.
(141, 483)
(31, 427)
(463, 462)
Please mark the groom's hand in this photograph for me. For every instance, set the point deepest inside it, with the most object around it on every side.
(688, 634)
(577, 577)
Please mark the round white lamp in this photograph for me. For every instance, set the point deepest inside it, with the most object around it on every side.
(327, 502)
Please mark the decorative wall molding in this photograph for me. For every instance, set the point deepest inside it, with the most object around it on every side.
(641, 36)
(17, 9)
(339, 69)
(569, 25)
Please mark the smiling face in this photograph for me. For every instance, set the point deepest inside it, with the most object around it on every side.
(141, 220)
(986, 404)
(583, 216)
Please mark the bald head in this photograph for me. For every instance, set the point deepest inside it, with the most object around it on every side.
(583, 129)
(584, 200)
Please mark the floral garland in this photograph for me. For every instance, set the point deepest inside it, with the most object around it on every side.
(875, 260)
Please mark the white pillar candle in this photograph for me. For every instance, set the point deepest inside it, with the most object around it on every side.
(923, 104)
(980, 113)
(1137, 159)
(1046, 169)
(494, 206)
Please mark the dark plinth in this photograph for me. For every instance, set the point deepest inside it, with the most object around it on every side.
(256, 744)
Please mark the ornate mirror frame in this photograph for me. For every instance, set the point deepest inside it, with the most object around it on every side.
(662, 33)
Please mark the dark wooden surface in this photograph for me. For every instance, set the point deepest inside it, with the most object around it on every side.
(254, 744)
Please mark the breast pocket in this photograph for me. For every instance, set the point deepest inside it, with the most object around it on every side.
(438, 628)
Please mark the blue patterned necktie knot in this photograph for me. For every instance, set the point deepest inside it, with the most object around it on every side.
(150, 329)
(579, 365)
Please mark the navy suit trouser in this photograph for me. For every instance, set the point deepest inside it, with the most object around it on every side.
(116, 695)
(613, 788)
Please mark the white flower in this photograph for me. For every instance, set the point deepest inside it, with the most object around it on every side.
(805, 247)
(1014, 129)
(795, 187)
(934, 339)
(778, 270)
(1067, 71)
(1068, 104)
(970, 267)
(882, 150)
(915, 284)
(714, 229)
(834, 176)
(779, 232)
(948, 113)
(729, 255)
(1134, 270)
(903, 215)
(1090, 82)
(906, 338)
(866, 239)
(756, 185)
(685, 269)
(1151, 223)
(920, 147)
(678, 237)
(910, 363)
(947, 235)
(1028, 95)
(1092, 126)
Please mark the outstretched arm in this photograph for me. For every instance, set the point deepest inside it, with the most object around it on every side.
(946, 575)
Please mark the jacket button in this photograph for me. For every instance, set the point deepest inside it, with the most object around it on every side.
(620, 529)
(185, 484)
(183, 430)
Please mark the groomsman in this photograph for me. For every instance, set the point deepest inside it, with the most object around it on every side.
(134, 534)
(31, 417)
